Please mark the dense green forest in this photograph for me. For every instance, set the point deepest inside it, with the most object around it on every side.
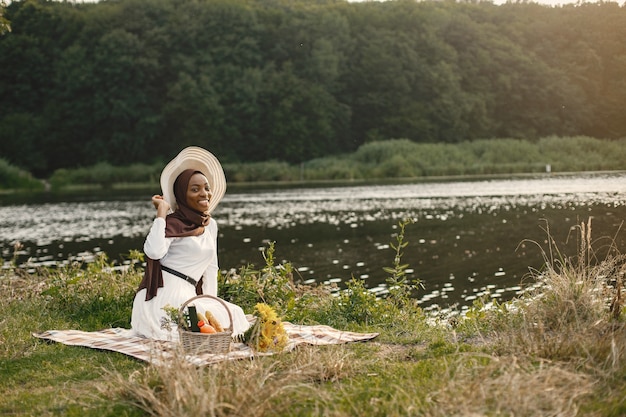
(132, 81)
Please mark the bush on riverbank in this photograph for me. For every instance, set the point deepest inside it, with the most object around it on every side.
(106, 175)
(375, 160)
(402, 158)
(558, 350)
(13, 178)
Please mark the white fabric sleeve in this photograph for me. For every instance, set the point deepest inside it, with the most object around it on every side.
(156, 245)
(209, 281)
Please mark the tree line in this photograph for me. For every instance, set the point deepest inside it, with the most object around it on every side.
(133, 81)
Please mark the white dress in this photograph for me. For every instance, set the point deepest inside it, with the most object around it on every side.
(194, 256)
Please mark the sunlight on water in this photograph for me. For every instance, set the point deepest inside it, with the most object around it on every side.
(464, 245)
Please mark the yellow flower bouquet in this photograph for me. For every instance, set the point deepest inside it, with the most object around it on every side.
(267, 334)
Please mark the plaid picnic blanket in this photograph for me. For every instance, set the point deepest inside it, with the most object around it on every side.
(158, 351)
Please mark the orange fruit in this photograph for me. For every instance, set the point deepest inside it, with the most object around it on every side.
(207, 328)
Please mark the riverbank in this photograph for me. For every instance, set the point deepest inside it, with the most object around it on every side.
(88, 192)
(556, 351)
(389, 160)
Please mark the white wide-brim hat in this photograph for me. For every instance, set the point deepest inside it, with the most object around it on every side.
(198, 159)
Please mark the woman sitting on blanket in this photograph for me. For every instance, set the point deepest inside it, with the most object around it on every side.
(181, 247)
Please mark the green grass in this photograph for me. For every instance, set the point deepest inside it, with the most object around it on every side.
(558, 350)
(57, 380)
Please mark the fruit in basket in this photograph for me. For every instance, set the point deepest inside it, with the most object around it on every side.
(210, 318)
(202, 318)
(205, 327)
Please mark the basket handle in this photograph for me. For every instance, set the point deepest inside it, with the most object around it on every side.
(230, 316)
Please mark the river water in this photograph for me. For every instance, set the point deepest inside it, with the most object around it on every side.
(468, 238)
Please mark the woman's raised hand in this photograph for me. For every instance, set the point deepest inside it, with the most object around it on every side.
(161, 206)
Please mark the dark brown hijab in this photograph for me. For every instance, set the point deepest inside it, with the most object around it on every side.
(185, 221)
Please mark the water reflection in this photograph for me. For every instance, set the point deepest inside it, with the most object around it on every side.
(470, 238)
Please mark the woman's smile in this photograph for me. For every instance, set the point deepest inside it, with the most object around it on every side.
(198, 193)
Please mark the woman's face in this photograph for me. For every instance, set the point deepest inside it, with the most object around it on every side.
(198, 193)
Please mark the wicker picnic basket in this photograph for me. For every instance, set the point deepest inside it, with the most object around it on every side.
(194, 342)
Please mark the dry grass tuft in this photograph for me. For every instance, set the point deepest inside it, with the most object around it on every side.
(571, 315)
(275, 385)
(510, 386)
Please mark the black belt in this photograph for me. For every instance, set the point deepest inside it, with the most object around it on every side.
(180, 275)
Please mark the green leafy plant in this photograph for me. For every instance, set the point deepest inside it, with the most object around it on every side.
(96, 294)
(401, 290)
(173, 317)
(273, 284)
